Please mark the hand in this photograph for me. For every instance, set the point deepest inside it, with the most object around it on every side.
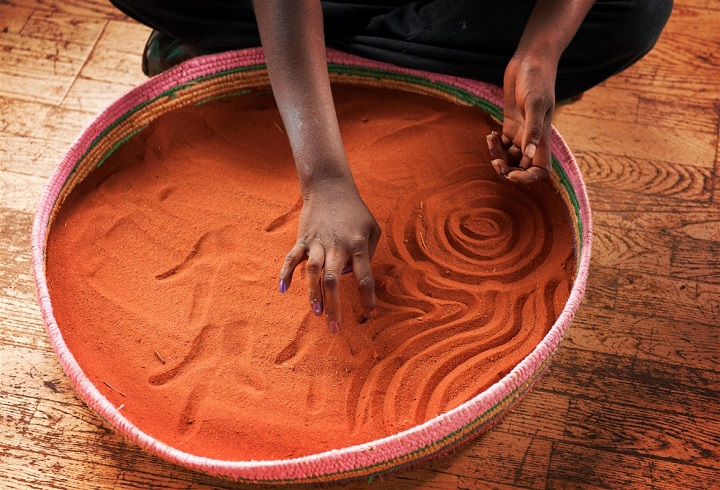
(337, 233)
(522, 153)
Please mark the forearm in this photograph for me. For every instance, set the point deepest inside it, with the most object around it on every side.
(551, 27)
(294, 46)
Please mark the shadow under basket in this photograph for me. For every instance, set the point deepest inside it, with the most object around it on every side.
(234, 74)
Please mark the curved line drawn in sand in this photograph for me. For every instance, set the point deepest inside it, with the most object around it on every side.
(457, 248)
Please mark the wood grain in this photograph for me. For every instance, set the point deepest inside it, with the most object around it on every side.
(608, 469)
(690, 300)
(646, 177)
(628, 381)
(632, 398)
(650, 338)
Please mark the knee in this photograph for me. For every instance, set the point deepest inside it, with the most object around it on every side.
(640, 25)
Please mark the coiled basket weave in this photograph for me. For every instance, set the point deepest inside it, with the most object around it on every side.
(237, 73)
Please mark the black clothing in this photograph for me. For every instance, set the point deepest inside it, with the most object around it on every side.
(467, 38)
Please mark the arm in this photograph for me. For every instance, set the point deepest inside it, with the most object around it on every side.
(529, 89)
(336, 229)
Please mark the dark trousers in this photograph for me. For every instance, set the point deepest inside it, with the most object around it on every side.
(467, 38)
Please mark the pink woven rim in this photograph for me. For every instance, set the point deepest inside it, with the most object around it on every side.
(339, 462)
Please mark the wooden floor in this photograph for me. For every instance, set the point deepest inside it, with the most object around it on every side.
(633, 398)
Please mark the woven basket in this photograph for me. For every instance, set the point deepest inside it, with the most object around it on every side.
(240, 72)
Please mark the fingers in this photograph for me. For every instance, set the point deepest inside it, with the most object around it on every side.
(498, 156)
(365, 280)
(536, 112)
(532, 164)
(526, 176)
(313, 273)
(291, 261)
(543, 157)
(334, 262)
(537, 160)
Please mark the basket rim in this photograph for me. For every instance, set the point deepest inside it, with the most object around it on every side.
(390, 452)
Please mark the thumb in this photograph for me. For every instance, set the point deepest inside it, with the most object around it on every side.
(536, 112)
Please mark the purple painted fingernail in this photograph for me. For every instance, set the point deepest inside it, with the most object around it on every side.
(346, 270)
(283, 286)
(317, 308)
(334, 327)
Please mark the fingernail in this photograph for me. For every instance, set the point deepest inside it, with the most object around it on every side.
(317, 308)
(530, 150)
(498, 168)
(283, 286)
(490, 142)
(369, 314)
(346, 270)
(334, 327)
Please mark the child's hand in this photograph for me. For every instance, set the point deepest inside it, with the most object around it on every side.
(336, 233)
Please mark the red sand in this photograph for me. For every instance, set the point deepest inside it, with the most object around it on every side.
(163, 267)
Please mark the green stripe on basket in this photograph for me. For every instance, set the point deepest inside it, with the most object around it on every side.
(117, 145)
(379, 74)
(170, 93)
(567, 185)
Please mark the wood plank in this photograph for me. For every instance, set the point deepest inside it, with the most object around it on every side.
(112, 68)
(540, 414)
(654, 339)
(631, 140)
(701, 223)
(611, 200)
(20, 321)
(23, 118)
(603, 102)
(20, 192)
(632, 250)
(572, 464)
(13, 18)
(672, 437)
(670, 112)
(646, 177)
(29, 156)
(626, 381)
(56, 435)
(39, 68)
(118, 54)
(63, 28)
(650, 79)
(699, 4)
(81, 8)
(529, 456)
(697, 259)
(601, 289)
(15, 419)
(687, 300)
(93, 96)
(690, 41)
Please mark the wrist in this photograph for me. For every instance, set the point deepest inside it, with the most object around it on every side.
(327, 182)
(537, 53)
